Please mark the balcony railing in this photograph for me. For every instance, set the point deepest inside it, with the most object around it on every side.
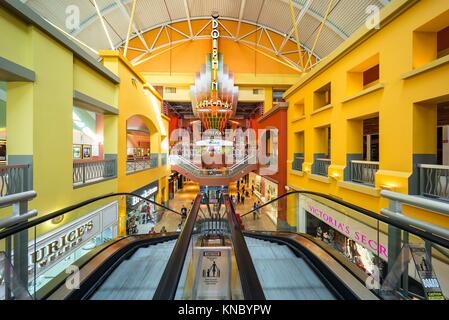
(163, 159)
(13, 179)
(434, 181)
(142, 163)
(364, 172)
(297, 163)
(321, 166)
(203, 172)
(86, 172)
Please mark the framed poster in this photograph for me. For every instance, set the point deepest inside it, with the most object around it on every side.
(77, 148)
(87, 151)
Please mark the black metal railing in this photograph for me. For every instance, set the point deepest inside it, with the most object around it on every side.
(14, 179)
(164, 158)
(86, 172)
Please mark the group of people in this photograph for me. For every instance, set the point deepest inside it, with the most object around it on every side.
(153, 231)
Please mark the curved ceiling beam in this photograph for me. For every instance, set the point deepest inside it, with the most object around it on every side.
(320, 18)
(120, 44)
(113, 6)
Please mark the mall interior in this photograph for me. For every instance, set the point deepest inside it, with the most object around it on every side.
(224, 150)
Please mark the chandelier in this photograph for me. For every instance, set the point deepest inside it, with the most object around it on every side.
(214, 96)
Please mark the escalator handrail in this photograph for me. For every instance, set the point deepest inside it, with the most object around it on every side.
(168, 285)
(252, 289)
(26, 225)
(406, 227)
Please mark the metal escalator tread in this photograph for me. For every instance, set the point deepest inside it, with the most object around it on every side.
(283, 275)
(137, 277)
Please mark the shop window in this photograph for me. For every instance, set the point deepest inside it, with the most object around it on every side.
(363, 75)
(322, 96)
(371, 139)
(431, 41)
(278, 97)
(3, 158)
(88, 134)
(170, 90)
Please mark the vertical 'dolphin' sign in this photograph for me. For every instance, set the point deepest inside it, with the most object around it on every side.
(215, 35)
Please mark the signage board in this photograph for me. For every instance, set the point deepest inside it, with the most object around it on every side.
(361, 233)
(213, 276)
(430, 283)
(53, 246)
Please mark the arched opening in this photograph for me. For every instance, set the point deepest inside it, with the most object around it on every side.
(142, 143)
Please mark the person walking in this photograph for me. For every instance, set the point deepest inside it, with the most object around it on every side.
(243, 199)
(238, 197)
(252, 190)
(258, 209)
(255, 210)
(183, 212)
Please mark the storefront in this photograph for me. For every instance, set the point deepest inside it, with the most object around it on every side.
(214, 193)
(358, 242)
(174, 183)
(141, 215)
(55, 251)
(266, 190)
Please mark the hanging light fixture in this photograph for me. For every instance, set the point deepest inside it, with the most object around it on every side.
(214, 96)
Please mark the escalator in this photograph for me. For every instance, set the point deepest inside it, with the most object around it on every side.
(219, 255)
(123, 284)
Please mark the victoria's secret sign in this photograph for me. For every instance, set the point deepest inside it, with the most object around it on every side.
(364, 235)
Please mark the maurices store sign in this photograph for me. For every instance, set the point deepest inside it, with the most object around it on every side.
(361, 233)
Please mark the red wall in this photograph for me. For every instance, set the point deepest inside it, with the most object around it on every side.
(278, 119)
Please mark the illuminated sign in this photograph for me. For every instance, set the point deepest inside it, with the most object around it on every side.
(359, 232)
(215, 35)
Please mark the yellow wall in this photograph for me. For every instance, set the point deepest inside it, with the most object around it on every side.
(39, 116)
(134, 99)
(405, 129)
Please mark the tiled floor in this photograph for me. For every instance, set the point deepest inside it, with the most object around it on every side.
(263, 222)
(188, 194)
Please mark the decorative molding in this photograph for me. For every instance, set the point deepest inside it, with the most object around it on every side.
(329, 106)
(11, 71)
(371, 191)
(430, 66)
(87, 102)
(320, 178)
(364, 92)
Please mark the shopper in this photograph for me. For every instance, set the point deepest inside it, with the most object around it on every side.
(238, 197)
(252, 190)
(255, 210)
(243, 199)
(258, 209)
(184, 212)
